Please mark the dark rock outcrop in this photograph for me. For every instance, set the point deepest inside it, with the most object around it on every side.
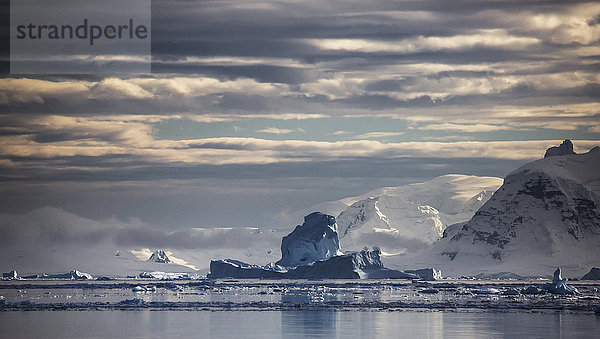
(565, 148)
(593, 274)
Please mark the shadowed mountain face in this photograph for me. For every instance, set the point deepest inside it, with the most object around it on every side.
(547, 208)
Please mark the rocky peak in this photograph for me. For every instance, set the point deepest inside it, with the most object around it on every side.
(160, 256)
(565, 148)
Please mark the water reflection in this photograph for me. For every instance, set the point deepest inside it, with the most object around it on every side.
(309, 324)
(290, 324)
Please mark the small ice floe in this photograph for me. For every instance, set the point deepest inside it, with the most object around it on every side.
(559, 285)
(317, 299)
(12, 275)
(532, 290)
(511, 291)
(158, 275)
(132, 302)
(486, 290)
(138, 289)
(104, 279)
(173, 287)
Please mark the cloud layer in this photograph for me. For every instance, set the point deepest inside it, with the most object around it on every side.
(347, 93)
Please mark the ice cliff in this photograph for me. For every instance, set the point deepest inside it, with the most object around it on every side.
(316, 239)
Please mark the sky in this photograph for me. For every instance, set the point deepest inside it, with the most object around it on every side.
(257, 109)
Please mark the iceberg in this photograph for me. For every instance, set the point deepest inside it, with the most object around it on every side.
(229, 268)
(312, 251)
(559, 285)
(73, 275)
(166, 275)
(363, 264)
(428, 274)
(10, 275)
(316, 239)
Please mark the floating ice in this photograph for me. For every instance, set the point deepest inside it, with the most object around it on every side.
(429, 274)
(10, 275)
(316, 239)
(559, 285)
(166, 275)
(73, 275)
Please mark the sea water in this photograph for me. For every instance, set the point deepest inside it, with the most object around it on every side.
(290, 324)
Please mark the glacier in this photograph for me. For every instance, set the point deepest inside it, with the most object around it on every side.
(401, 218)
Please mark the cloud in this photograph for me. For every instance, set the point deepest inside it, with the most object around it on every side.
(32, 90)
(594, 129)
(487, 38)
(474, 128)
(443, 66)
(377, 135)
(111, 88)
(275, 130)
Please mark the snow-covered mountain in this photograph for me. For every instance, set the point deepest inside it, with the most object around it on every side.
(546, 213)
(392, 217)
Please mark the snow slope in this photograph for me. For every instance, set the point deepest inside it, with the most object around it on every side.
(391, 217)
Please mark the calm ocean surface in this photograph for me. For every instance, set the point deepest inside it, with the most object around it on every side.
(290, 324)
